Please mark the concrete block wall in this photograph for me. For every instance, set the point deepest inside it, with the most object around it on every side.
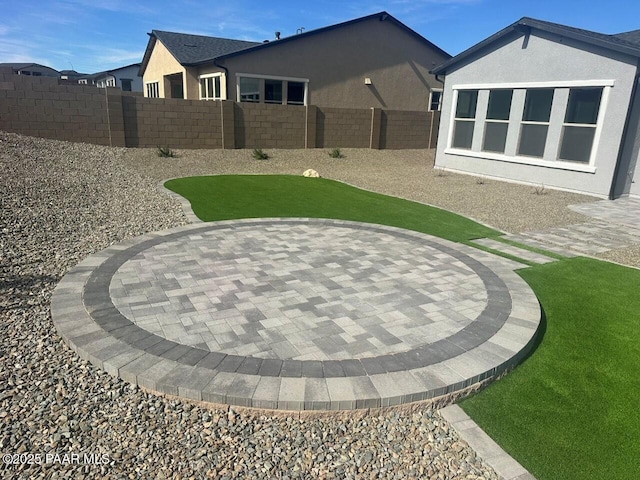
(261, 125)
(343, 127)
(176, 123)
(42, 107)
(400, 129)
(39, 106)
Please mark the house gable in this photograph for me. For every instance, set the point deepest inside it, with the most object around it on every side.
(562, 65)
(337, 63)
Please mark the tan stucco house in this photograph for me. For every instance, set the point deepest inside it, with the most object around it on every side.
(373, 61)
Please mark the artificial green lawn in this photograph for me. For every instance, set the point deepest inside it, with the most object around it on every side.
(572, 409)
(226, 197)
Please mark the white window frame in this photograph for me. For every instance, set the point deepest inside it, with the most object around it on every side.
(495, 120)
(219, 76)
(606, 84)
(436, 90)
(152, 87)
(285, 81)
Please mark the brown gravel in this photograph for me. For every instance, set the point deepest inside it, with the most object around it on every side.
(409, 174)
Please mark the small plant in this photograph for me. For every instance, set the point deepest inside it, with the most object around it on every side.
(439, 171)
(165, 152)
(540, 190)
(258, 154)
(335, 153)
(480, 180)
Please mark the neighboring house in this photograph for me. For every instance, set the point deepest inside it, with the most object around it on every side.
(373, 61)
(545, 104)
(71, 75)
(126, 78)
(31, 69)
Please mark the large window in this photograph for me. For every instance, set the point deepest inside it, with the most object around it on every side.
(465, 118)
(277, 90)
(579, 125)
(497, 123)
(153, 90)
(549, 124)
(210, 87)
(535, 122)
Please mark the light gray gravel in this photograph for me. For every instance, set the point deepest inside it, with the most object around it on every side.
(60, 202)
(404, 173)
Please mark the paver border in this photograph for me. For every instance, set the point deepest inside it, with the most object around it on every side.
(89, 323)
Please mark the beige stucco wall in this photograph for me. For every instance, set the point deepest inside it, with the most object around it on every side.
(337, 61)
(162, 63)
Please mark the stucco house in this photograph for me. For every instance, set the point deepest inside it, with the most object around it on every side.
(372, 61)
(545, 104)
(31, 69)
(126, 78)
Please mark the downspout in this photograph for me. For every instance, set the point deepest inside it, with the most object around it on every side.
(226, 76)
(623, 140)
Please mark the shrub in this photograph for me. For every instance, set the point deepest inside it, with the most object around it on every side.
(258, 154)
(335, 153)
(540, 190)
(164, 151)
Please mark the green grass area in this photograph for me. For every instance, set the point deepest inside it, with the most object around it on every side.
(226, 197)
(572, 409)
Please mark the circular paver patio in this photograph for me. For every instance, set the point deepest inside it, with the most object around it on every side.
(297, 314)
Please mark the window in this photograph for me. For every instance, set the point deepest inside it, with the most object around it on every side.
(111, 82)
(497, 123)
(465, 118)
(153, 90)
(435, 100)
(276, 90)
(210, 87)
(579, 125)
(249, 89)
(295, 93)
(273, 91)
(535, 122)
(126, 84)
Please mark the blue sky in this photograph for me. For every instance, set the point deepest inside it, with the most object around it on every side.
(95, 35)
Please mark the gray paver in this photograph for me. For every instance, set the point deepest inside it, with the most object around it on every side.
(297, 314)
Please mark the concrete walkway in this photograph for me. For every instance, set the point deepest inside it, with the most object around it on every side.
(297, 314)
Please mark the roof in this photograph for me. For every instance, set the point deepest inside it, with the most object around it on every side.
(20, 66)
(627, 43)
(106, 73)
(191, 50)
(381, 16)
(631, 37)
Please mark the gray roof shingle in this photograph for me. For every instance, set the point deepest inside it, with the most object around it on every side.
(630, 37)
(190, 49)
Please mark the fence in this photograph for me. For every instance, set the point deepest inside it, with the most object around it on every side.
(46, 107)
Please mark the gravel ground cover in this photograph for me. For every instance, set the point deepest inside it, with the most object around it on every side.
(403, 173)
(60, 202)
